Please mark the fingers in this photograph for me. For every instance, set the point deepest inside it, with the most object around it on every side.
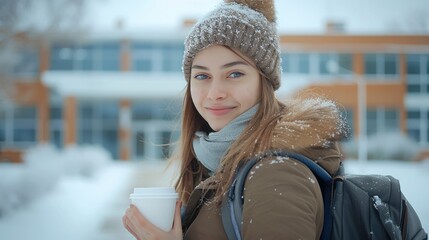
(140, 225)
(141, 228)
(126, 224)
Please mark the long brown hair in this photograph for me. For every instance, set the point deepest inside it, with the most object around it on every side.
(256, 138)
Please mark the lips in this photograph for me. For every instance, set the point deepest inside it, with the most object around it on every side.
(220, 110)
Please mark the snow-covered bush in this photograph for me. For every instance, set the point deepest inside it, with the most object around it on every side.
(11, 175)
(391, 145)
(38, 174)
(85, 160)
(43, 166)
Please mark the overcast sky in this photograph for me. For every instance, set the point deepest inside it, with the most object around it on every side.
(294, 16)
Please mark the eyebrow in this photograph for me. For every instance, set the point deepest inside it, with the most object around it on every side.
(231, 64)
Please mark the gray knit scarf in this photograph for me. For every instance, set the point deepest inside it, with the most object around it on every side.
(211, 148)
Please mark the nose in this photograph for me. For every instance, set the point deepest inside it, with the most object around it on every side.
(217, 90)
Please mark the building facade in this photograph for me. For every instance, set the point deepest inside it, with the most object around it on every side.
(123, 92)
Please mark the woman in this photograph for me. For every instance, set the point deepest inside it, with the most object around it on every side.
(232, 65)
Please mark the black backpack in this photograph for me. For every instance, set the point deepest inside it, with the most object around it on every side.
(362, 206)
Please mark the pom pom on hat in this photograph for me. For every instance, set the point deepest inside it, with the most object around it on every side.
(245, 25)
(263, 6)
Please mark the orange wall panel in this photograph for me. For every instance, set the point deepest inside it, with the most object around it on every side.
(69, 116)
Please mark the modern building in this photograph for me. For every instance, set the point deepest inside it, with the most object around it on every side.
(123, 91)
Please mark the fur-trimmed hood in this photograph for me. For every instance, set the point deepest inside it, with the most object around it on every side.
(312, 127)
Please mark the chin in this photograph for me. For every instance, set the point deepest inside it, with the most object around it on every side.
(216, 127)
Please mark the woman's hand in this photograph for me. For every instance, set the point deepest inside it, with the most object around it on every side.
(142, 229)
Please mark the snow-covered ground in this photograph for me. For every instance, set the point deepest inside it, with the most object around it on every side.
(78, 207)
(74, 210)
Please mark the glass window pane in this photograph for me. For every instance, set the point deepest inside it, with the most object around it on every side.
(391, 64)
(24, 113)
(286, 62)
(86, 111)
(303, 63)
(2, 131)
(427, 64)
(146, 56)
(84, 58)
(414, 134)
(371, 122)
(413, 64)
(370, 63)
(427, 136)
(323, 64)
(413, 88)
(56, 112)
(109, 111)
(139, 142)
(345, 63)
(110, 141)
(391, 120)
(141, 112)
(172, 58)
(2, 126)
(86, 136)
(61, 57)
(24, 135)
(110, 56)
(56, 138)
(413, 114)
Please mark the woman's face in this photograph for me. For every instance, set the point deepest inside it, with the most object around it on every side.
(223, 85)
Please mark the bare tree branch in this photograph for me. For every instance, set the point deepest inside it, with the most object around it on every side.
(24, 24)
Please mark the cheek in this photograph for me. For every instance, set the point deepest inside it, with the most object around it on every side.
(196, 96)
(251, 95)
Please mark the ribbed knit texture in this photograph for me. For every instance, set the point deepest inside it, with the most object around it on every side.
(241, 28)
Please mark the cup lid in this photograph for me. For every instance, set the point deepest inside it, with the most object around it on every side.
(152, 192)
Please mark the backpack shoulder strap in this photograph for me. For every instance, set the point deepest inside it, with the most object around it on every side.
(232, 206)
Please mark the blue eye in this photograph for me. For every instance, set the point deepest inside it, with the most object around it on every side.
(201, 77)
(236, 74)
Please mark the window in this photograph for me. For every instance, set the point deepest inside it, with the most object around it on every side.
(25, 124)
(161, 110)
(61, 57)
(413, 64)
(382, 120)
(27, 62)
(344, 62)
(2, 126)
(381, 65)
(108, 56)
(85, 56)
(56, 125)
(89, 56)
(296, 63)
(418, 73)
(371, 64)
(98, 124)
(414, 123)
(152, 56)
(427, 64)
(172, 58)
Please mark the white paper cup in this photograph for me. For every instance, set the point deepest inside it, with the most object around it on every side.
(156, 204)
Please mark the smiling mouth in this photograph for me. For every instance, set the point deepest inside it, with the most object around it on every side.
(220, 111)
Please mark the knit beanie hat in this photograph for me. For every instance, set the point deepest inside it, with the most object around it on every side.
(248, 26)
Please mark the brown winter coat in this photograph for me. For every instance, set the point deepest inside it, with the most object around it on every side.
(282, 199)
